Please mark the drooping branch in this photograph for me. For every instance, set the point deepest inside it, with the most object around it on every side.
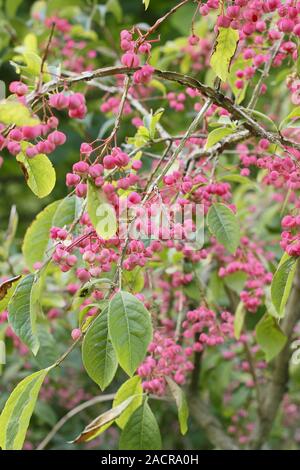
(237, 112)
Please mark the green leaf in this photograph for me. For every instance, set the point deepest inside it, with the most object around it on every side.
(216, 135)
(263, 116)
(14, 112)
(192, 290)
(146, 3)
(141, 137)
(98, 355)
(15, 417)
(158, 85)
(33, 63)
(223, 224)
(48, 351)
(114, 7)
(104, 421)
(236, 281)
(36, 238)
(269, 336)
(131, 388)
(134, 279)
(67, 211)
(38, 171)
(225, 47)
(11, 7)
(235, 178)
(282, 284)
(23, 309)
(101, 214)
(152, 120)
(182, 406)
(130, 329)
(239, 318)
(141, 431)
(295, 113)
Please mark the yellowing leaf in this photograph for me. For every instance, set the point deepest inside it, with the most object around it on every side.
(146, 3)
(131, 388)
(101, 214)
(226, 44)
(100, 424)
(239, 318)
(182, 406)
(36, 238)
(14, 112)
(38, 171)
(16, 414)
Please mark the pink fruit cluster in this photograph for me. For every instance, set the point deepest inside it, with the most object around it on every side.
(203, 328)
(165, 358)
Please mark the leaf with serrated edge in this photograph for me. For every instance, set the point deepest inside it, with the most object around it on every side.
(223, 224)
(130, 330)
(23, 308)
(98, 355)
(36, 238)
(141, 431)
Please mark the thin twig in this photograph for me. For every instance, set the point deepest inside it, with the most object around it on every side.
(70, 414)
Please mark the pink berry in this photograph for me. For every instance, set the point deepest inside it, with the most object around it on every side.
(83, 274)
(57, 138)
(76, 334)
(72, 180)
(136, 165)
(14, 147)
(81, 190)
(31, 152)
(81, 168)
(109, 162)
(31, 132)
(134, 198)
(18, 88)
(59, 101)
(130, 59)
(96, 170)
(15, 134)
(86, 149)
